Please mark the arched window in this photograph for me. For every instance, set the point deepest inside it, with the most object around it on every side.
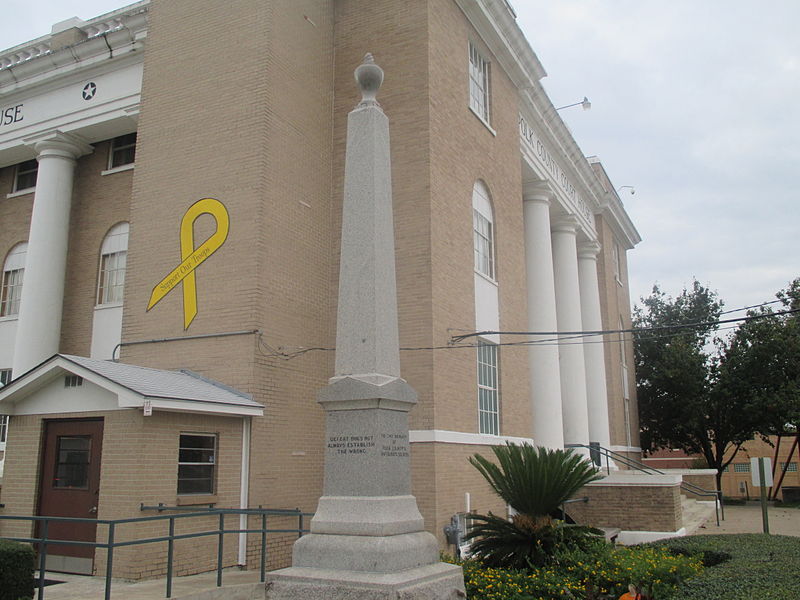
(13, 271)
(113, 255)
(483, 227)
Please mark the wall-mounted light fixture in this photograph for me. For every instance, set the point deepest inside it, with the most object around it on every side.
(628, 187)
(584, 103)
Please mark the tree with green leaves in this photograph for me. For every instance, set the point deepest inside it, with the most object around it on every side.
(706, 394)
(535, 482)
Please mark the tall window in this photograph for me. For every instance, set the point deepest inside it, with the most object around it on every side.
(123, 151)
(626, 395)
(488, 390)
(113, 257)
(483, 231)
(25, 175)
(616, 257)
(197, 457)
(11, 286)
(5, 377)
(478, 83)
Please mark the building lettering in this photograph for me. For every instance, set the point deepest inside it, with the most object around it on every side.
(11, 115)
(550, 165)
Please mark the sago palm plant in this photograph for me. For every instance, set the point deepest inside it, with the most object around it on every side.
(534, 482)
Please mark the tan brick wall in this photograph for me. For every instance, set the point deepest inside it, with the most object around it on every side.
(615, 303)
(98, 203)
(631, 508)
(139, 466)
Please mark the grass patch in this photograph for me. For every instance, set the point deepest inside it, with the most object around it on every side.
(751, 566)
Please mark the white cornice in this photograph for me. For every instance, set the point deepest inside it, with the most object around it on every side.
(108, 36)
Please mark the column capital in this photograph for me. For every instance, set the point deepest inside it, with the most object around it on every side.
(565, 224)
(589, 249)
(537, 192)
(59, 144)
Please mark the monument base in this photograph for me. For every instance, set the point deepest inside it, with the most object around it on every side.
(438, 581)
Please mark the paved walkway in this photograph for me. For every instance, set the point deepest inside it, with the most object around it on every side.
(747, 519)
(239, 585)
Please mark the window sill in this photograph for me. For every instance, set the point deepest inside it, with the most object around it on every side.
(9, 318)
(486, 277)
(118, 169)
(24, 192)
(108, 305)
(484, 121)
(190, 500)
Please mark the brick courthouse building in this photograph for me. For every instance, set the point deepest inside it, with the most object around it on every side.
(171, 178)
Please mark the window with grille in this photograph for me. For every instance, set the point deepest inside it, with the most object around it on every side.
(11, 285)
(196, 463)
(478, 83)
(792, 468)
(741, 468)
(488, 390)
(5, 377)
(25, 175)
(484, 245)
(123, 151)
(113, 258)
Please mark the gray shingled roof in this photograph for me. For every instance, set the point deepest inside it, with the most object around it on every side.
(157, 383)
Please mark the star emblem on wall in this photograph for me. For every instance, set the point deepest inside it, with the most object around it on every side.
(89, 90)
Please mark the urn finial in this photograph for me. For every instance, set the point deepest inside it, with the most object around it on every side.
(369, 77)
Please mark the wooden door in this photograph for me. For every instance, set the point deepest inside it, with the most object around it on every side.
(70, 487)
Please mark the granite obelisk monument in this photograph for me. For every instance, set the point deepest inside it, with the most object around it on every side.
(367, 539)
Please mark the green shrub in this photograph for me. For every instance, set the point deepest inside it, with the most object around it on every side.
(760, 566)
(17, 563)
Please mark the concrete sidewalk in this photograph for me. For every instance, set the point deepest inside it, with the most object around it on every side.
(747, 519)
(237, 585)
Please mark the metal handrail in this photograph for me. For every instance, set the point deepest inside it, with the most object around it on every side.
(639, 466)
(110, 544)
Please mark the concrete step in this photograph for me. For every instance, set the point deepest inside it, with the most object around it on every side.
(696, 513)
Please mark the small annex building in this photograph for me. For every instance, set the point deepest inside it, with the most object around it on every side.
(171, 180)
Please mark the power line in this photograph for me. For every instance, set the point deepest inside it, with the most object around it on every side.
(697, 325)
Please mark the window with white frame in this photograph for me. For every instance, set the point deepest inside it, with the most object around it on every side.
(741, 467)
(488, 389)
(483, 231)
(197, 457)
(25, 175)
(623, 361)
(792, 468)
(5, 377)
(113, 258)
(11, 285)
(123, 151)
(616, 255)
(478, 83)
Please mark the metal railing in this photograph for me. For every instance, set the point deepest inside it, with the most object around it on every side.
(44, 542)
(597, 451)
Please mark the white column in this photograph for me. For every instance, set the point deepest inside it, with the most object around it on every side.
(39, 323)
(568, 309)
(593, 350)
(545, 380)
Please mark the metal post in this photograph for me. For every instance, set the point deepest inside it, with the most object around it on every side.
(299, 524)
(170, 554)
(763, 486)
(109, 559)
(43, 558)
(263, 547)
(219, 548)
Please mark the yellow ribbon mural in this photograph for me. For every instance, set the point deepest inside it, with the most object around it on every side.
(192, 257)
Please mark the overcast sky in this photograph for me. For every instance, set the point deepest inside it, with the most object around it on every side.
(694, 103)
